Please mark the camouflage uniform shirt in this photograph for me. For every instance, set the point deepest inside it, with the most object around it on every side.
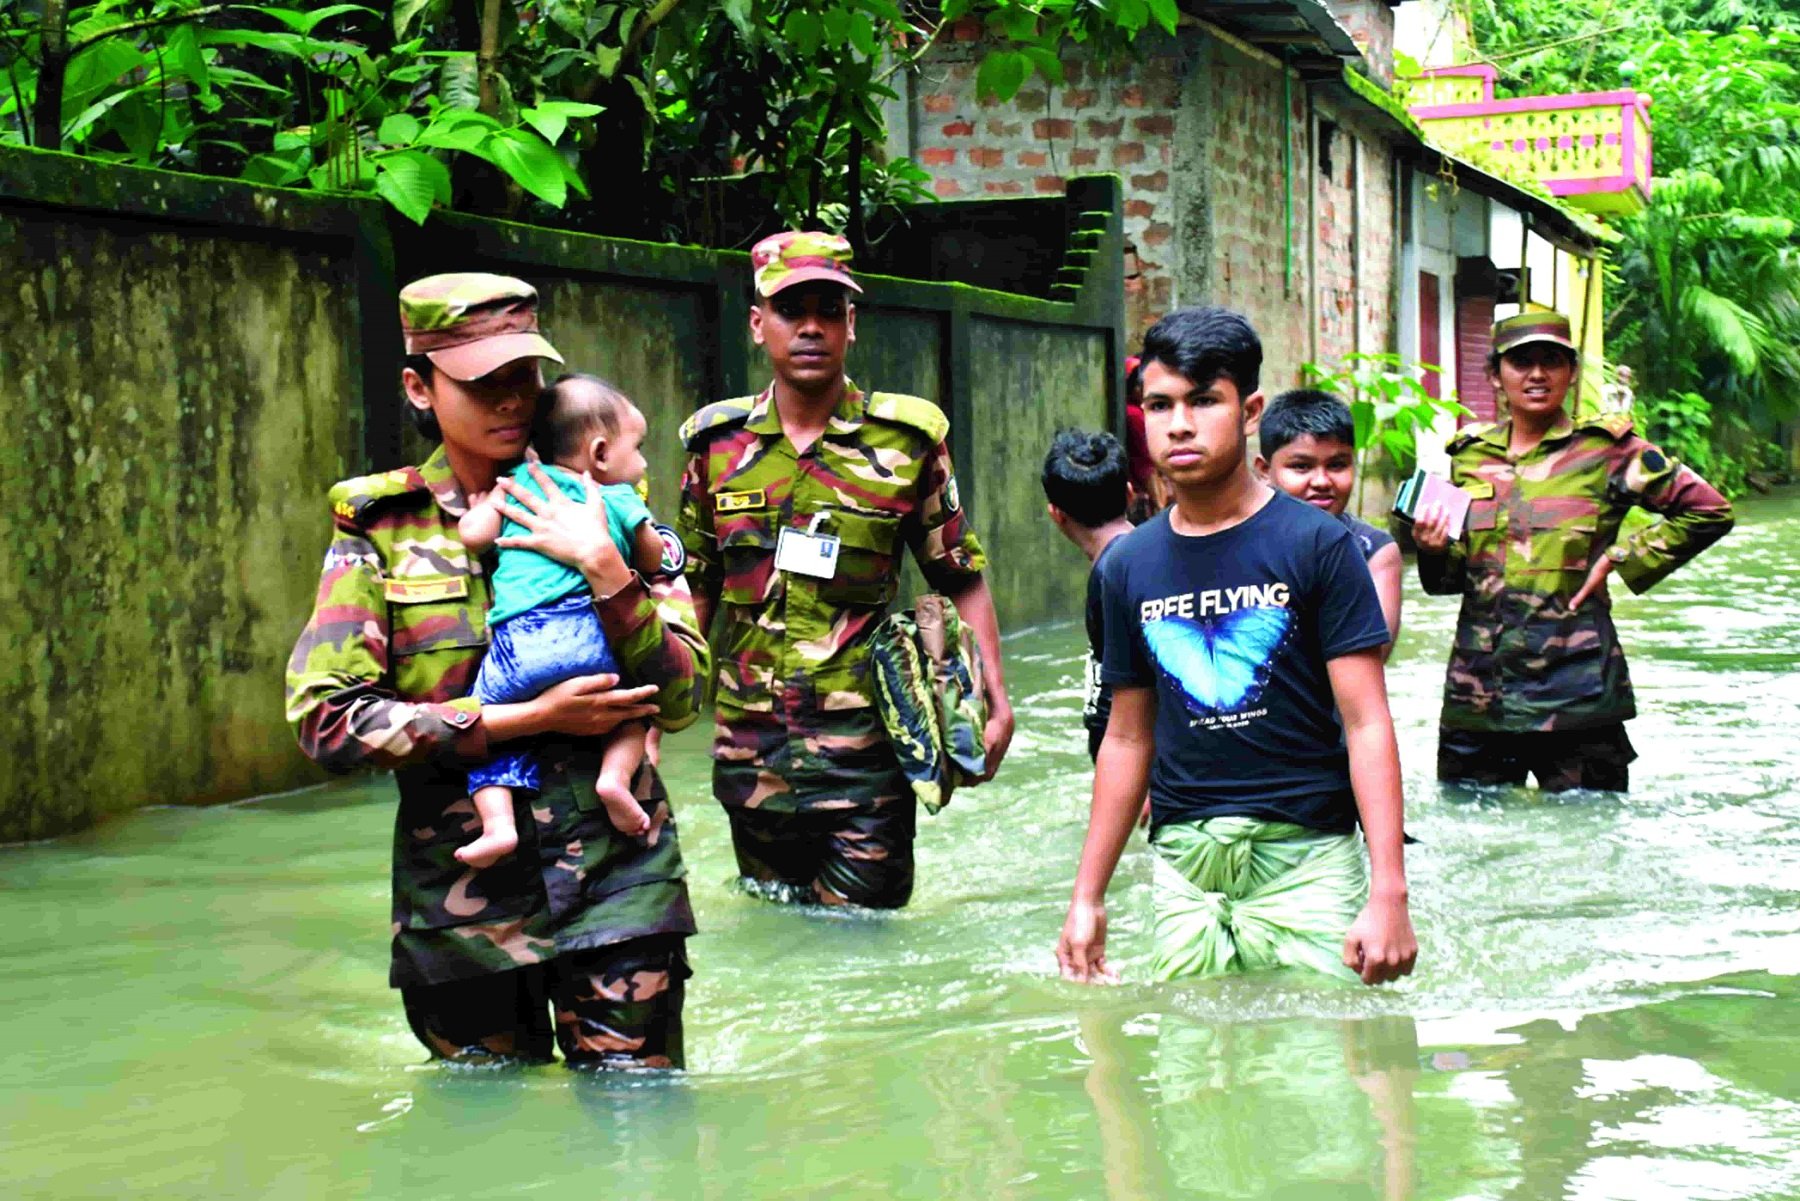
(1521, 660)
(380, 677)
(794, 697)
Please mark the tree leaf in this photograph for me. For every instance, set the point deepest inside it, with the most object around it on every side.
(399, 129)
(183, 56)
(459, 83)
(412, 181)
(1002, 74)
(531, 163)
(458, 135)
(96, 69)
(550, 124)
(1165, 14)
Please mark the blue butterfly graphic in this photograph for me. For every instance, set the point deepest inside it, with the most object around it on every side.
(1220, 665)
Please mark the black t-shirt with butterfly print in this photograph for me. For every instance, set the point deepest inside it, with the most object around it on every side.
(1233, 630)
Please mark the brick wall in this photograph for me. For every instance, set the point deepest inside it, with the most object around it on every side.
(1194, 127)
(1371, 24)
(1120, 120)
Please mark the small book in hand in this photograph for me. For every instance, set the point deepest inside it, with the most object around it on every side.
(1424, 489)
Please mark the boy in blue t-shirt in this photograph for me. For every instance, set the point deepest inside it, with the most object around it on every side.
(1240, 623)
(542, 625)
(1308, 444)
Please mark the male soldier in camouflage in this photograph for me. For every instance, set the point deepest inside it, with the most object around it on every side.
(1537, 681)
(576, 938)
(794, 506)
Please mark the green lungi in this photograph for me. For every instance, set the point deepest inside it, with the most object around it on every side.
(1235, 894)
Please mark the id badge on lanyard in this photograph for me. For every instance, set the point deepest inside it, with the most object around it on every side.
(807, 552)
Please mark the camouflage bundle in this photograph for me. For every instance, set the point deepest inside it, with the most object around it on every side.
(927, 673)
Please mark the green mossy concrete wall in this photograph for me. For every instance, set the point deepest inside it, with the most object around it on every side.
(189, 364)
(1029, 381)
(172, 406)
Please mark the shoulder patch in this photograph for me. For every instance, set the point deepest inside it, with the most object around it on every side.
(674, 554)
(914, 412)
(1613, 425)
(1466, 436)
(352, 499)
(714, 416)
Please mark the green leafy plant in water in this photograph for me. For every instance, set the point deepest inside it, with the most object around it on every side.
(1389, 405)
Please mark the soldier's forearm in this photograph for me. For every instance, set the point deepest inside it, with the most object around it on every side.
(362, 727)
(975, 605)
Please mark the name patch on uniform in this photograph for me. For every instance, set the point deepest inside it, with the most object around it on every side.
(1479, 489)
(738, 502)
(435, 588)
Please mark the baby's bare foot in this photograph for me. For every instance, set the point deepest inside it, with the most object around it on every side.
(489, 849)
(622, 809)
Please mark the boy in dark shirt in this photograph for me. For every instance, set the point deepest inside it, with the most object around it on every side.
(1085, 490)
(1239, 623)
(1308, 444)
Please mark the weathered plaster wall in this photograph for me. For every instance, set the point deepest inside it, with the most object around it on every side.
(645, 339)
(174, 406)
(1028, 383)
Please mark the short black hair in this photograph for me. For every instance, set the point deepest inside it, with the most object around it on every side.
(565, 415)
(1085, 475)
(1304, 411)
(1206, 344)
(424, 420)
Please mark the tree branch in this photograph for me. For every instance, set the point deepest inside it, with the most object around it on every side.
(656, 16)
(192, 14)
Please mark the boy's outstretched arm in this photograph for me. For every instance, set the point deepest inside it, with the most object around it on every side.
(1121, 775)
(1380, 945)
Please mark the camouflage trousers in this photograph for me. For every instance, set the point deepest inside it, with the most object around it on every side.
(1597, 757)
(611, 1007)
(824, 814)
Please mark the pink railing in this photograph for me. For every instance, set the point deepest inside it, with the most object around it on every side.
(1591, 147)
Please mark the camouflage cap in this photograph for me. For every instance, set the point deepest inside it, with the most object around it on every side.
(471, 323)
(1543, 325)
(797, 257)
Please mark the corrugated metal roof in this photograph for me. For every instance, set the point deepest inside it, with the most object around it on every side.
(1276, 25)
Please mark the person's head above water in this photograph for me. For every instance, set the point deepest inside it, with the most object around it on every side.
(1084, 478)
(473, 360)
(589, 426)
(803, 315)
(1201, 367)
(1308, 448)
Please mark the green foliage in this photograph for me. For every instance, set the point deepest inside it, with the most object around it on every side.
(1389, 404)
(690, 113)
(1705, 289)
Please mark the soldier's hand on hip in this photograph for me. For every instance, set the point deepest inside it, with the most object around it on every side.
(588, 706)
(1595, 584)
(1431, 529)
(571, 532)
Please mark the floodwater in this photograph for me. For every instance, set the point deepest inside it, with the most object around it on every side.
(1607, 1003)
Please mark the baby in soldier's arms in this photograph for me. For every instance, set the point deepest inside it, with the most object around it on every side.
(543, 627)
